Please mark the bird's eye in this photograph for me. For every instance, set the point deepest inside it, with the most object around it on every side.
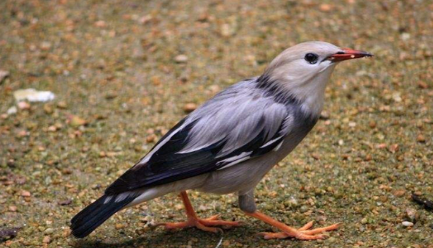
(311, 58)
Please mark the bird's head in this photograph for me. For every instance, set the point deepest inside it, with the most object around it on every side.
(303, 70)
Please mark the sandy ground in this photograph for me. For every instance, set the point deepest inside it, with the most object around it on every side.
(124, 72)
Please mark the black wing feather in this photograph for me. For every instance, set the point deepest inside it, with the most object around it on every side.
(167, 165)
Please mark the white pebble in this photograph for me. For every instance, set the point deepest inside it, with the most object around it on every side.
(407, 223)
(33, 95)
(181, 58)
(12, 110)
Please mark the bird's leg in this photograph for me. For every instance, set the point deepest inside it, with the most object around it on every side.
(247, 204)
(194, 221)
(303, 233)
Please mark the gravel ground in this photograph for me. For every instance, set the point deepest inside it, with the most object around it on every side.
(124, 72)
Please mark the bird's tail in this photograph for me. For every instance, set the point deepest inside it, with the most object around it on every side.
(97, 213)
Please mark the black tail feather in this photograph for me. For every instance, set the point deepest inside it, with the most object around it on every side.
(96, 213)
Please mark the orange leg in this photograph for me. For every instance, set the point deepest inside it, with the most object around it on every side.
(194, 221)
(303, 233)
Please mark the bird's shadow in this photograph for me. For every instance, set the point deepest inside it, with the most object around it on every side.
(158, 239)
(243, 235)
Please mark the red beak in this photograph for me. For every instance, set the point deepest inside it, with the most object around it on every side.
(347, 53)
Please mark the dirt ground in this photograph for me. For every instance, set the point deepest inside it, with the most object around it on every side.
(124, 72)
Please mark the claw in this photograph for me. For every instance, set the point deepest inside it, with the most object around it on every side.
(303, 233)
(202, 224)
(307, 226)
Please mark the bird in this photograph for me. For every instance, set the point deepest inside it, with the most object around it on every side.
(228, 144)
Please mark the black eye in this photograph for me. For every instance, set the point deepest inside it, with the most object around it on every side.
(311, 58)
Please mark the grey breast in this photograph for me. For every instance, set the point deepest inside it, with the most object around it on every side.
(246, 175)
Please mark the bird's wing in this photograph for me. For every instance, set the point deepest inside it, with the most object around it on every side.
(238, 124)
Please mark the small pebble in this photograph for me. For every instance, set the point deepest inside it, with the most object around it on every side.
(422, 85)
(151, 138)
(100, 24)
(420, 138)
(25, 193)
(325, 7)
(3, 75)
(393, 148)
(227, 30)
(45, 45)
(12, 110)
(189, 107)
(52, 128)
(407, 223)
(48, 109)
(62, 105)
(76, 121)
(65, 202)
(324, 115)
(399, 193)
(46, 240)
(412, 214)
(181, 58)
(23, 105)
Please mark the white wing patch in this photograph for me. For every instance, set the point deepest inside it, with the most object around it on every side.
(270, 142)
(108, 199)
(149, 155)
(234, 160)
(278, 146)
(122, 196)
(118, 198)
(192, 149)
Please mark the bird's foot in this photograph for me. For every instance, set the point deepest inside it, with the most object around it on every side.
(202, 224)
(303, 233)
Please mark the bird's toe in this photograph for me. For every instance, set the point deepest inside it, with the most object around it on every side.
(207, 224)
(303, 233)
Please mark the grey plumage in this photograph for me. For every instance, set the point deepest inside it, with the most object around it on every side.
(238, 115)
(229, 143)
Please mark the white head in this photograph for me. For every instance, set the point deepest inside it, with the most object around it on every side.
(303, 70)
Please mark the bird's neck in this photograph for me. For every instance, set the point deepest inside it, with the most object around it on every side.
(309, 94)
(311, 97)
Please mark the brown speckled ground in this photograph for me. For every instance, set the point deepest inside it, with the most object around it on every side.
(115, 66)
